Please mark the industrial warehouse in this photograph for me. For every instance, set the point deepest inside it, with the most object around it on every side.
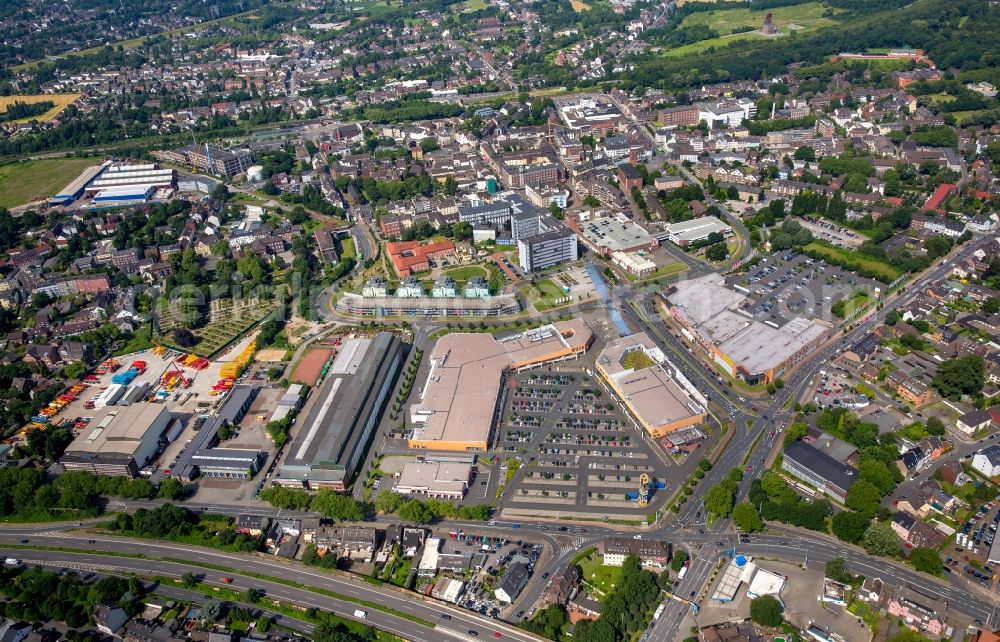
(658, 396)
(338, 426)
(119, 184)
(459, 402)
(119, 440)
(756, 352)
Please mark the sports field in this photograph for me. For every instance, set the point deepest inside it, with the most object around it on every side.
(60, 102)
(308, 369)
(22, 183)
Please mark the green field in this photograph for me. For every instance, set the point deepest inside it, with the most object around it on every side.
(661, 272)
(841, 255)
(347, 249)
(601, 577)
(22, 183)
(463, 273)
(545, 294)
(939, 99)
(801, 18)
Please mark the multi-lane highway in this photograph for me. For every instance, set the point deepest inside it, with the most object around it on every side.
(292, 582)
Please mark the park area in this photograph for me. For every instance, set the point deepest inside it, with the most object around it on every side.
(734, 24)
(22, 183)
(59, 103)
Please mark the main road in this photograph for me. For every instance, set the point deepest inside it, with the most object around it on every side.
(292, 582)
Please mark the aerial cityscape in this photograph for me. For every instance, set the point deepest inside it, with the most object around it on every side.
(438, 320)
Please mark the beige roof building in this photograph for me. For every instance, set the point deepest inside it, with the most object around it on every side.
(459, 400)
(444, 480)
(118, 440)
(658, 395)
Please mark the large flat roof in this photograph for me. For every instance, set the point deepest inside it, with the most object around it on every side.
(696, 229)
(81, 181)
(653, 392)
(459, 398)
(614, 233)
(117, 429)
(714, 312)
(434, 476)
(329, 434)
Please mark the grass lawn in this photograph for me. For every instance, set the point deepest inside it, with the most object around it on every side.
(801, 18)
(22, 183)
(939, 99)
(853, 303)
(666, 270)
(347, 249)
(601, 577)
(840, 255)
(546, 295)
(961, 116)
(465, 272)
(471, 5)
(60, 102)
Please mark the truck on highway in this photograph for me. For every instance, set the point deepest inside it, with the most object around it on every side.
(361, 614)
(12, 561)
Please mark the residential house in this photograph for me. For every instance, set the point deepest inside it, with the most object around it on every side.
(513, 581)
(109, 619)
(562, 587)
(12, 631)
(974, 421)
(919, 611)
(987, 461)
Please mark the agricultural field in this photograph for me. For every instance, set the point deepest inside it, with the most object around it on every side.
(60, 102)
(22, 183)
(801, 18)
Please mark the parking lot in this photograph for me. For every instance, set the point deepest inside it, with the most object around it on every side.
(833, 233)
(969, 554)
(578, 455)
(496, 554)
(784, 286)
